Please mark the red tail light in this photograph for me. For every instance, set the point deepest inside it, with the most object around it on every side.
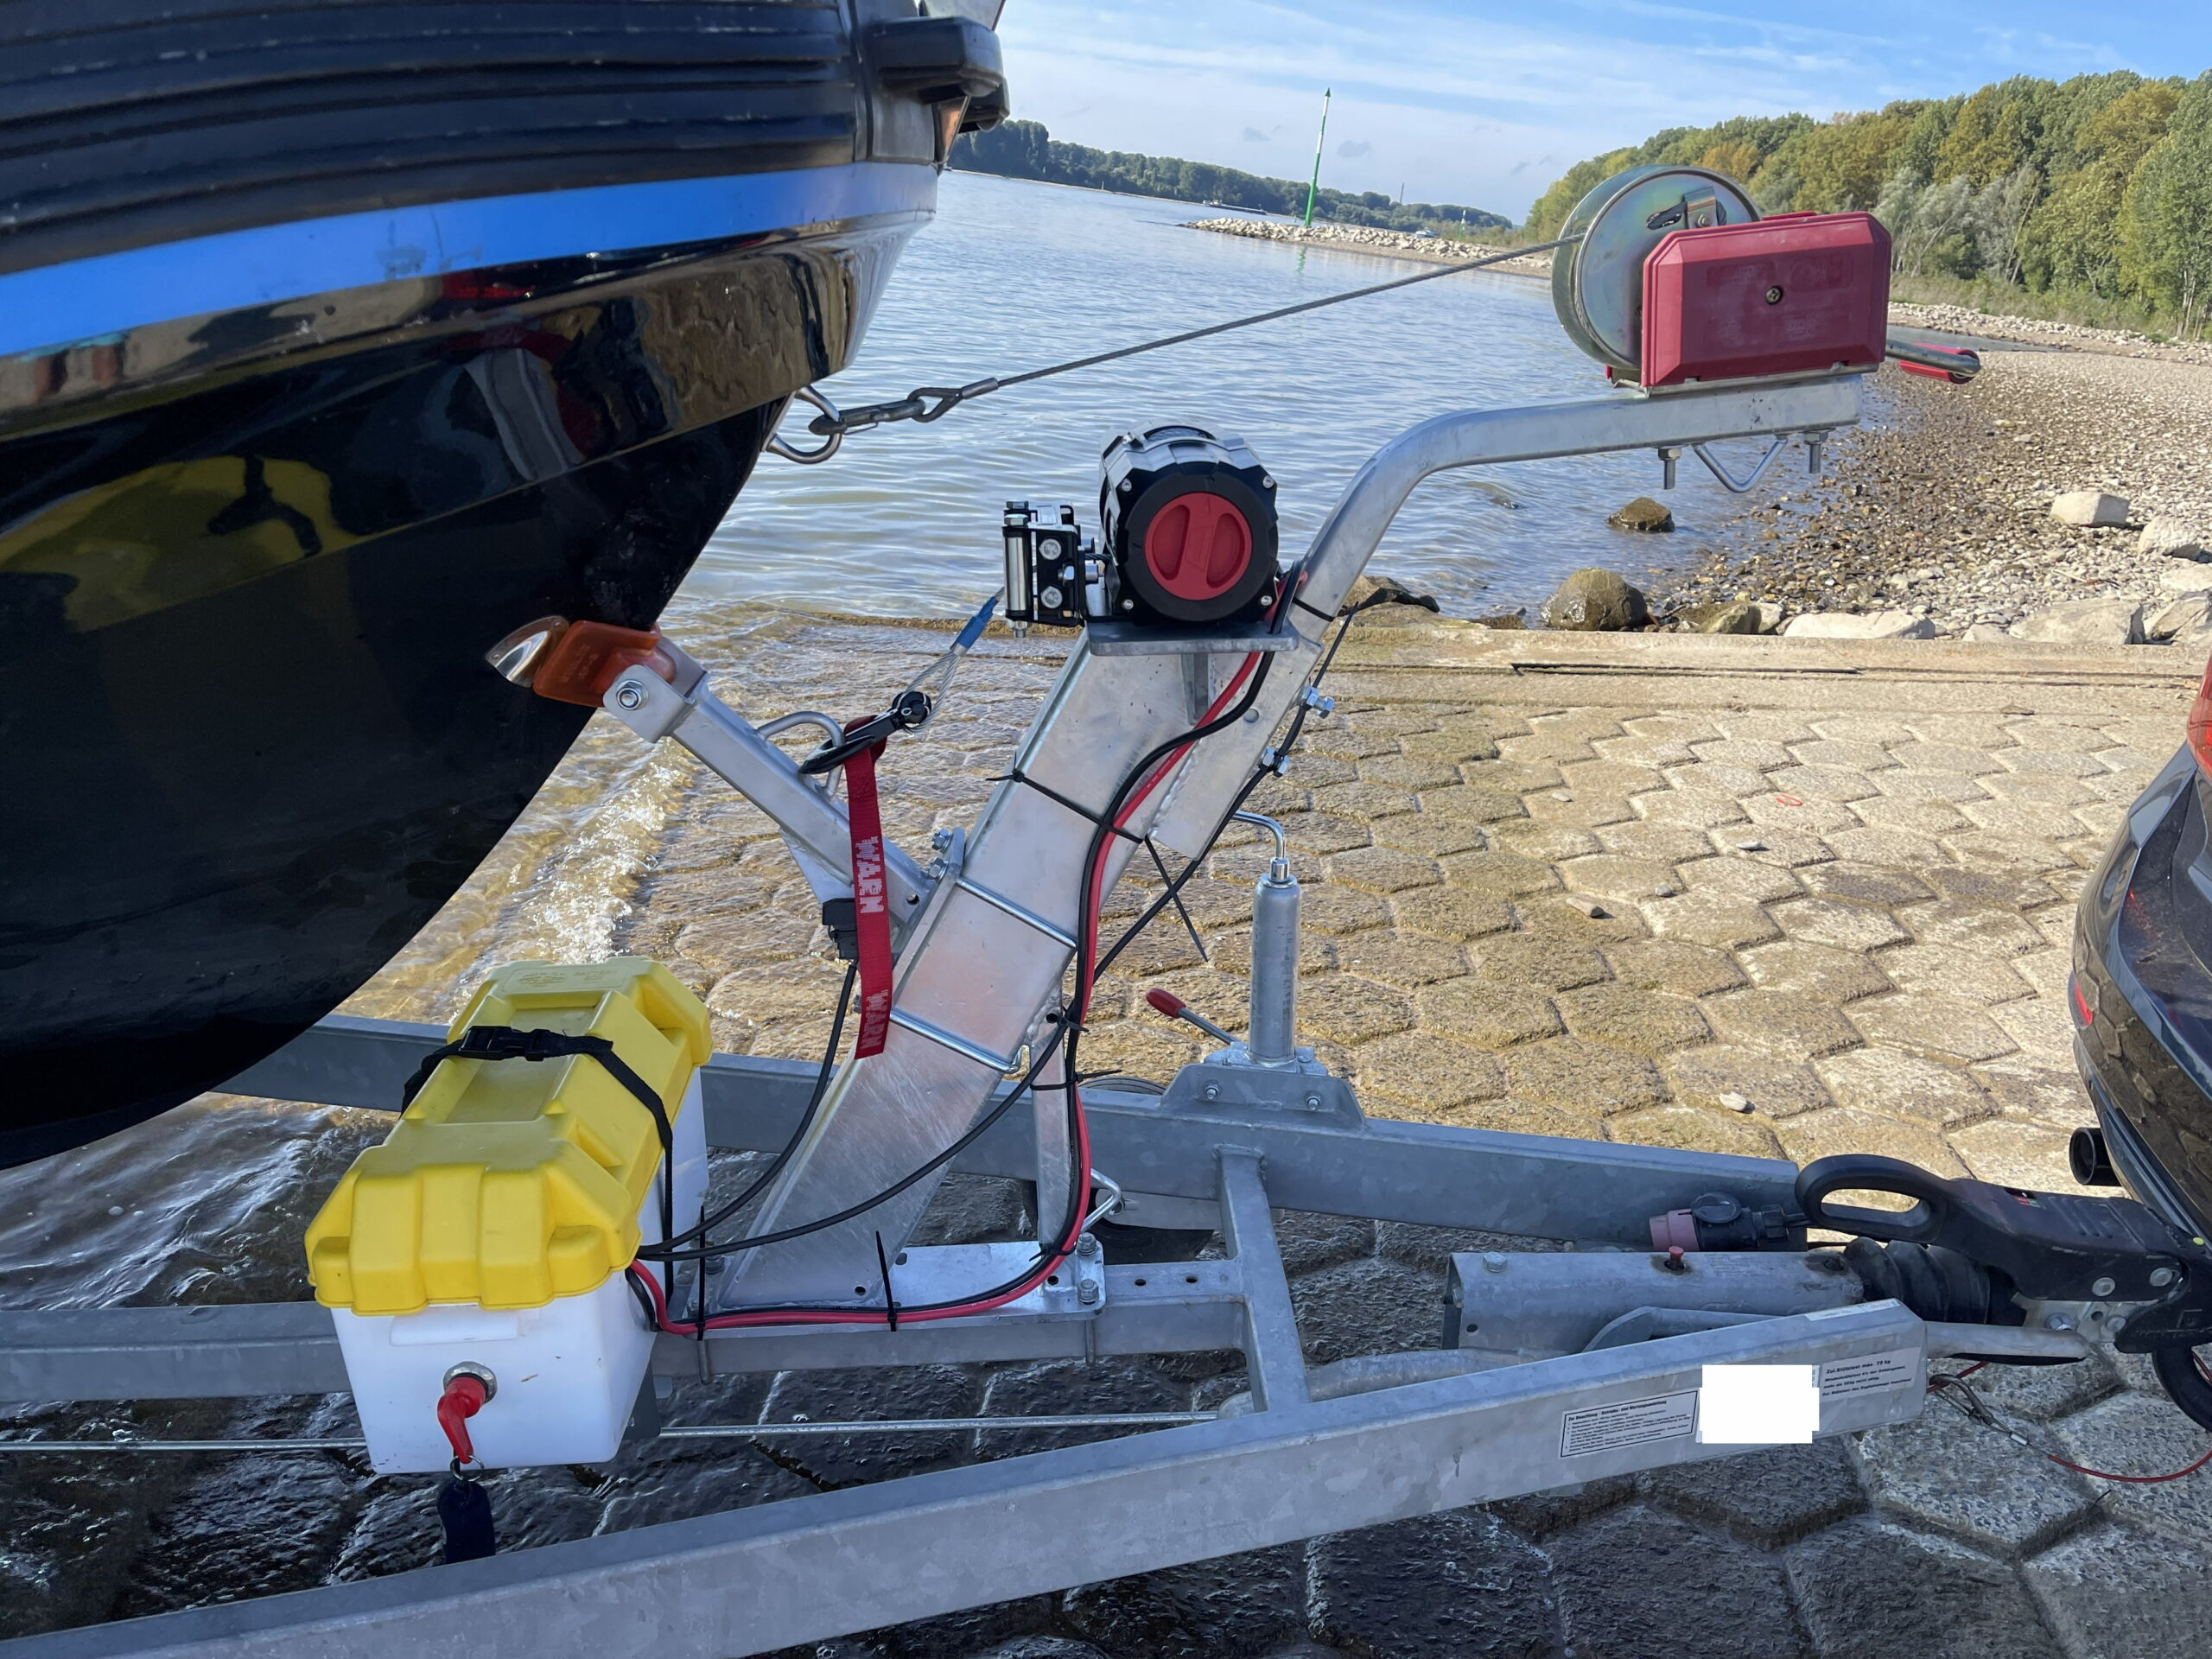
(2082, 1011)
(2200, 724)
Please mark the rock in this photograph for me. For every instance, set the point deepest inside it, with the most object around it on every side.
(1769, 615)
(2089, 508)
(1645, 515)
(2186, 579)
(2173, 539)
(1737, 618)
(1982, 633)
(1843, 624)
(1592, 600)
(2185, 619)
(2085, 622)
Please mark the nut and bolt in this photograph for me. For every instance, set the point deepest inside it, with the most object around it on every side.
(2101, 1287)
(1087, 1247)
(1087, 1292)
(2058, 1321)
(1212, 1091)
(2163, 1276)
(629, 694)
(1312, 1102)
(1496, 1261)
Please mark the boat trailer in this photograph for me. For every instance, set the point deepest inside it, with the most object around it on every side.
(1688, 1318)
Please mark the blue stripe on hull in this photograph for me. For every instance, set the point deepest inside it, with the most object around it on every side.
(50, 308)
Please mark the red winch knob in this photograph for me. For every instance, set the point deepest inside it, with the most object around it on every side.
(464, 1396)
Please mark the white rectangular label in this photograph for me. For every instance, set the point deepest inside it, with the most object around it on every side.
(1897, 1369)
(1628, 1423)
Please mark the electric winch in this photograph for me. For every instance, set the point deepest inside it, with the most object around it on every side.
(1187, 532)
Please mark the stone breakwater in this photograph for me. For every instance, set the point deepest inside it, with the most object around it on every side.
(1361, 239)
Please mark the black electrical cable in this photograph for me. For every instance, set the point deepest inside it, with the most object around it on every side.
(1068, 1032)
(706, 1223)
(1063, 1033)
(1381, 596)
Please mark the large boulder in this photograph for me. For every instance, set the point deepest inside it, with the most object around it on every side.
(1645, 515)
(2187, 622)
(2171, 538)
(2085, 622)
(1593, 601)
(1737, 616)
(1845, 625)
(2089, 508)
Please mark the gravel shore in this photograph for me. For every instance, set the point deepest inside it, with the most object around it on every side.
(1941, 505)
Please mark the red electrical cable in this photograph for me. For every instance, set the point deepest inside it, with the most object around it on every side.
(2082, 1469)
(2133, 1480)
(1096, 898)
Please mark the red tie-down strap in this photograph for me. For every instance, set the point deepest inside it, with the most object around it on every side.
(871, 900)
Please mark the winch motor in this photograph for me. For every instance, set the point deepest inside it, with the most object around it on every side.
(1187, 538)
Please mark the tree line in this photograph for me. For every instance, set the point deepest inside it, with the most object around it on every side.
(2097, 187)
(1024, 149)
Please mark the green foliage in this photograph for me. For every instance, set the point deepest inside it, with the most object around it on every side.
(1024, 149)
(2092, 194)
(2166, 216)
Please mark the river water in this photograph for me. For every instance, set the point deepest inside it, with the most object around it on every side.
(1014, 275)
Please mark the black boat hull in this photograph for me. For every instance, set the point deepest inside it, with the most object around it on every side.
(242, 772)
(336, 342)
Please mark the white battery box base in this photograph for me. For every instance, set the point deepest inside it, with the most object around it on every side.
(568, 1374)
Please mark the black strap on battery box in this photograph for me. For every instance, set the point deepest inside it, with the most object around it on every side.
(512, 1042)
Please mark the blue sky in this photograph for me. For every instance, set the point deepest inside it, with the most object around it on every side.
(1462, 100)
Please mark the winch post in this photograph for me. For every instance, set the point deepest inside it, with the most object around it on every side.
(1272, 1037)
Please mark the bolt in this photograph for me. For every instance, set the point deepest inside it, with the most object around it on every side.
(941, 839)
(2058, 1321)
(2162, 1277)
(1087, 1247)
(2102, 1287)
(1087, 1292)
(1774, 296)
(1496, 1261)
(1212, 1091)
(629, 694)
(1312, 1102)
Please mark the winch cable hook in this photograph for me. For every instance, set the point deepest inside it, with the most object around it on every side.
(927, 403)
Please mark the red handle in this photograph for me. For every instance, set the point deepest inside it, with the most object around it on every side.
(463, 1398)
(1167, 1002)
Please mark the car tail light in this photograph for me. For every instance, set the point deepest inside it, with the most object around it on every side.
(2200, 724)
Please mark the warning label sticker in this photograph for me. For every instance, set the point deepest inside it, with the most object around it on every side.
(1628, 1423)
(1840, 1378)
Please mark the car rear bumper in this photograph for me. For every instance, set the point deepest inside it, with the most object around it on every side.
(2141, 998)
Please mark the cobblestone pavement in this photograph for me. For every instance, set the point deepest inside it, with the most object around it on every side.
(1791, 898)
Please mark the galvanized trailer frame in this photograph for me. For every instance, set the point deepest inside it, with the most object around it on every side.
(1587, 1366)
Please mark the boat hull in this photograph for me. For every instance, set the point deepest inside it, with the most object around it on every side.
(250, 740)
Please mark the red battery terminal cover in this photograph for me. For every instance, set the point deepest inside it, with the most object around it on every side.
(1795, 293)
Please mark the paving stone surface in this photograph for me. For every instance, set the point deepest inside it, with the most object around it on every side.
(1619, 903)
